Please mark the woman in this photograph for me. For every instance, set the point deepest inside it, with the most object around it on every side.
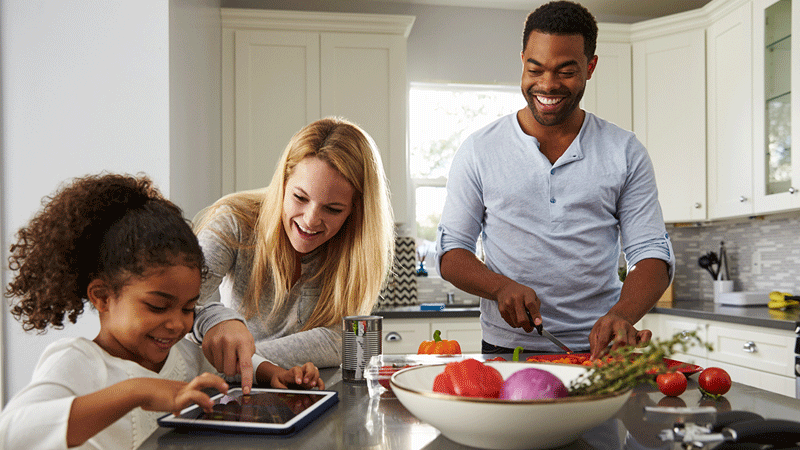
(295, 257)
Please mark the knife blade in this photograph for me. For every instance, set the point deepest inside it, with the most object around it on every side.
(542, 332)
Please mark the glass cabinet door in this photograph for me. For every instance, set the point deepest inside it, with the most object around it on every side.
(777, 175)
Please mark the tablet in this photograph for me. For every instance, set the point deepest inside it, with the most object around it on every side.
(267, 411)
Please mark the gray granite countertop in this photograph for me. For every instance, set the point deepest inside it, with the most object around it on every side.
(760, 316)
(359, 421)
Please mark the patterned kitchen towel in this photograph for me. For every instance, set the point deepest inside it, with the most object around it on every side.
(401, 289)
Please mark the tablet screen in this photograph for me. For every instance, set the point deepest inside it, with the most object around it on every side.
(260, 407)
(263, 410)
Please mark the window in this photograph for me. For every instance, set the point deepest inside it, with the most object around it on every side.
(441, 117)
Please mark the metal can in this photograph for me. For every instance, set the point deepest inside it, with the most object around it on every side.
(361, 340)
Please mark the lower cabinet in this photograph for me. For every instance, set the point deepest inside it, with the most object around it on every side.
(403, 336)
(755, 356)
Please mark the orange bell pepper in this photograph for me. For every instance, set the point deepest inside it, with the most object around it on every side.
(438, 346)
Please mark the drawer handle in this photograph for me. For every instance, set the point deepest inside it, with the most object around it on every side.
(685, 335)
(749, 347)
(393, 336)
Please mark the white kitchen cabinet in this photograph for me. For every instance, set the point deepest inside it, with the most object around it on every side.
(730, 119)
(282, 70)
(756, 356)
(776, 53)
(403, 336)
(669, 116)
(608, 93)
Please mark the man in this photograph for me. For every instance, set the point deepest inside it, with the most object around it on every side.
(551, 191)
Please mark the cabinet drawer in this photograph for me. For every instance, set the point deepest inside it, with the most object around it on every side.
(769, 382)
(402, 337)
(760, 349)
(671, 327)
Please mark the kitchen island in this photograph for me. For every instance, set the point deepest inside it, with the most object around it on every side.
(361, 422)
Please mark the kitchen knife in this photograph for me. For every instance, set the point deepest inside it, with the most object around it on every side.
(545, 333)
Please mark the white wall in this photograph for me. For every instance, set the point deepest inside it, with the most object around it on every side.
(89, 86)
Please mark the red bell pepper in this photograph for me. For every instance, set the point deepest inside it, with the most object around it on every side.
(469, 378)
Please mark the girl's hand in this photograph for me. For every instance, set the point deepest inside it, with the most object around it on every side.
(169, 395)
(305, 376)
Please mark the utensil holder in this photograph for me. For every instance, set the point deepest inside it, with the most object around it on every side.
(721, 287)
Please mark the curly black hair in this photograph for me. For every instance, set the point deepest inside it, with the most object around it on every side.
(110, 227)
(563, 17)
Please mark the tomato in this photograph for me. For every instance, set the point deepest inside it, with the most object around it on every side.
(714, 381)
(671, 383)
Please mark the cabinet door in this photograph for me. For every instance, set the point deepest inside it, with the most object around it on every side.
(468, 333)
(669, 119)
(403, 336)
(276, 94)
(364, 80)
(776, 54)
(608, 94)
(730, 183)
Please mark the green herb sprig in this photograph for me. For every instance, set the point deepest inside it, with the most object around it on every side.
(627, 367)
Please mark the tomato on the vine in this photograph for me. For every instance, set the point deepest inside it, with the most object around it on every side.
(671, 383)
(714, 381)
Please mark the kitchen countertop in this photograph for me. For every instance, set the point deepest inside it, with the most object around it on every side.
(361, 422)
(760, 316)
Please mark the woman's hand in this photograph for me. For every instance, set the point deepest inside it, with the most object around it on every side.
(229, 347)
(170, 395)
(305, 376)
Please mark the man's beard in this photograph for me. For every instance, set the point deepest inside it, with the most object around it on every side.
(572, 102)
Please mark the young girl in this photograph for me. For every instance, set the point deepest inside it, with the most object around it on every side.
(298, 255)
(115, 241)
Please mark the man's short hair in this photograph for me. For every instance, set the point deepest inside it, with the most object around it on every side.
(563, 18)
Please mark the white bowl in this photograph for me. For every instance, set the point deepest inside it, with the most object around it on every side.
(505, 424)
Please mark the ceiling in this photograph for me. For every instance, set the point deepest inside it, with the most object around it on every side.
(603, 10)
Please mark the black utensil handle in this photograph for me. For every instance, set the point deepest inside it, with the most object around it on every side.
(770, 431)
(727, 418)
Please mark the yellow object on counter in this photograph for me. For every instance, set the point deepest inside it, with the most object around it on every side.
(781, 300)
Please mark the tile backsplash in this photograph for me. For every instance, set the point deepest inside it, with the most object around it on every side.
(776, 238)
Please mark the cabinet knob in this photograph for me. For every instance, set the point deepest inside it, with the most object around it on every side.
(685, 335)
(792, 190)
(393, 336)
(742, 199)
(749, 347)
(698, 205)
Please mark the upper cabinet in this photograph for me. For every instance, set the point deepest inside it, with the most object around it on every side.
(669, 116)
(776, 27)
(730, 118)
(282, 70)
(608, 94)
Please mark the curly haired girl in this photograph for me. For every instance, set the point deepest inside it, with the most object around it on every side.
(115, 241)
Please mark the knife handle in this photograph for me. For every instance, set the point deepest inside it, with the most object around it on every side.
(728, 418)
(770, 431)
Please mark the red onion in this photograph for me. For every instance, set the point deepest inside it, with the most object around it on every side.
(532, 384)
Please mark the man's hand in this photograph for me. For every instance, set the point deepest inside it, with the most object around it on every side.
(229, 347)
(617, 331)
(512, 300)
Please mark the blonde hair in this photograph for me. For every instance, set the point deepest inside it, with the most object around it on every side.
(355, 261)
